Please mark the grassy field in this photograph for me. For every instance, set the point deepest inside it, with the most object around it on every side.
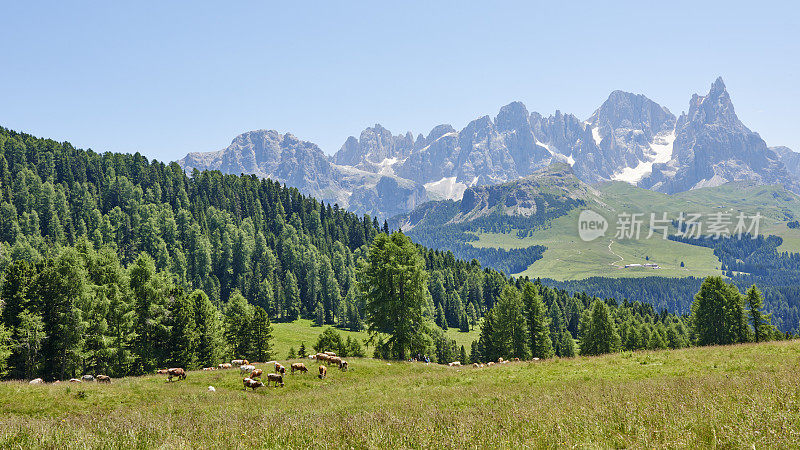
(569, 258)
(292, 334)
(730, 397)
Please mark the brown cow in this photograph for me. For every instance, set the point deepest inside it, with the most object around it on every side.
(206, 369)
(75, 380)
(225, 366)
(256, 373)
(299, 367)
(279, 368)
(250, 383)
(322, 357)
(176, 372)
(343, 365)
(490, 363)
(516, 359)
(334, 361)
(330, 353)
(162, 371)
(275, 377)
(323, 372)
(103, 379)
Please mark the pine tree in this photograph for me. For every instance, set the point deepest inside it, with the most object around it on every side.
(5, 349)
(208, 321)
(183, 331)
(261, 340)
(566, 345)
(540, 342)
(718, 314)
(292, 354)
(758, 320)
(61, 286)
(510, 327)
(302, 352)
(598, 333)
(462, 356)
(238, 318)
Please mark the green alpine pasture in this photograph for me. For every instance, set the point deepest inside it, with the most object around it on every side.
(569, 258)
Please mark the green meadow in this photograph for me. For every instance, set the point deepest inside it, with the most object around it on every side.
(742, 396)
(569, 258)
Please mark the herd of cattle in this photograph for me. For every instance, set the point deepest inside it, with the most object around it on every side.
(83, 379)
(490, 363)
(253, 379)
(254, 376)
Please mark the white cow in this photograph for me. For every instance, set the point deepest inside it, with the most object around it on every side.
(247, 368)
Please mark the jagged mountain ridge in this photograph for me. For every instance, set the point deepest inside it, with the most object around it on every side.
(628, 138)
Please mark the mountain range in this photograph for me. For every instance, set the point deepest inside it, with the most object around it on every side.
(628, 138)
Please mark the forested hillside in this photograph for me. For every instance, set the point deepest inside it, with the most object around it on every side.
(113, 264)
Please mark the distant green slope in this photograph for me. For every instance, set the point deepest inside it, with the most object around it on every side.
(500, 217)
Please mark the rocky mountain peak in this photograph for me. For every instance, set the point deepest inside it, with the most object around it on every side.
(513, 116)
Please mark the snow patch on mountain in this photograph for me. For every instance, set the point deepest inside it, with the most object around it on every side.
(445, 189)
(596, 135)
(660, 152)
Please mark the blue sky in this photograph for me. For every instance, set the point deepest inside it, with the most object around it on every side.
(167, 78)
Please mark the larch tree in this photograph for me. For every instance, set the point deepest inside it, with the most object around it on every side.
(393, 283)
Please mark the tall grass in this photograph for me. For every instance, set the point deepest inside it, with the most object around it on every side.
(737, 396)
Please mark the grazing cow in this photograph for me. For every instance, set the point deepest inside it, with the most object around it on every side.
(343, 365)
(299, 367)
(279, 368)
(516, 359)
(246, 368)
(238, 362)
(535, 359)
(177, 372)
(275, 377)
(500, 359)
(162, 371)
(312, 356)
(321, 357)
(36, 381)
(475, 365)
(75, 380)
(103, 379)
(455, 364)
(490, 363)
(323, 372)
(57, 382)
(334, 361)
(206, 369)
(256, 373)
(211, 389)
(225, 366)
(330, 353)
(87, 378)
(250, 383)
